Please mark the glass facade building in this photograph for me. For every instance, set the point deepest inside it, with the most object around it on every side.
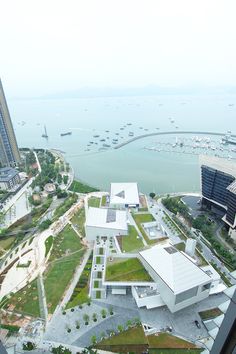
(9, 152)
(219, 189)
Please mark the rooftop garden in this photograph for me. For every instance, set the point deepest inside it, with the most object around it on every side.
(140, 219)
(131, 242)
(94, 202)
(104, 200)
(126, 270)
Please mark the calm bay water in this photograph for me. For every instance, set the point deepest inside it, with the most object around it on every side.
(160, 172)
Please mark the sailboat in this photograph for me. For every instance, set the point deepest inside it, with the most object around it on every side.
(45, 135)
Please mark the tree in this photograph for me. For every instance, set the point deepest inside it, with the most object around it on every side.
(77, 323)
(103, 335)
(94, 316)
(65, 179)
(152, 195)
(120, 328)
(29, 346)
(59, 178)
(61, 350)
(129, 323)
(103, 313)
(45, 224)
(93, 340)
(86, 318)
(111, 310)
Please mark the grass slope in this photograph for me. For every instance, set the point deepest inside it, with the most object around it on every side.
(126, 270)
(131, 242)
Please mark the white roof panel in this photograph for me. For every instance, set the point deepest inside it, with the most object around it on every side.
(174, 268)
(124, 193)
(107, 218)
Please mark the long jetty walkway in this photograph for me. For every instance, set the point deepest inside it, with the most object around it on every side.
(169, 133)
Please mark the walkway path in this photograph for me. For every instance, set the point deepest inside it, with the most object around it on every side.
(168, 133)
(133, 223)
(70, 290)
(42, 297)
(38, 163)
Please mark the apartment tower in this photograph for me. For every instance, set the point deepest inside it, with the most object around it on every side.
(9, 152)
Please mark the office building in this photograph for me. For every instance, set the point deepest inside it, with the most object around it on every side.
(9, 152)
(9, 178)
(218, 185)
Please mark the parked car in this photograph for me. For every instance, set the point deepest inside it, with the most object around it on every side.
(197, 324)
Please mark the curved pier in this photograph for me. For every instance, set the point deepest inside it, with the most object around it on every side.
(174, 132)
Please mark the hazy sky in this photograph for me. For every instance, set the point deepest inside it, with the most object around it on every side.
(55, 45)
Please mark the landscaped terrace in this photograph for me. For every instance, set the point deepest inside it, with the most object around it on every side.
(126, 270)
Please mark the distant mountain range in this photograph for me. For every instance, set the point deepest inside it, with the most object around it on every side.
(151, 90)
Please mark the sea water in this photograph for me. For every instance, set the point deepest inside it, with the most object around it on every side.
(161, 172)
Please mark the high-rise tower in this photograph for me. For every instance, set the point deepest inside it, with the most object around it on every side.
(9, 152)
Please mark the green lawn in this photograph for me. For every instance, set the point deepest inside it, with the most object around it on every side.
(58, 277)
(208, 314)
(96, 284)
(104, 200)
(142, 218)
(80, 187)
(6, 242)
(48, 245)
(65, 257)
(66, 205)
(94, 202)
(98, 260)
(165, 340)
(78, 220)
(66, 242)
(126, 270)
(26, 300)
(98, 294)
(131, 336)
(180, 246)
(80, 293)
(131, 242)
(134, 340)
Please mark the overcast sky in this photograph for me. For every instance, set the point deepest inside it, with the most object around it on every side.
(50, 46)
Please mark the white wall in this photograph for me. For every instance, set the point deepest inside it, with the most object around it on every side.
(92, 232)
(168, 295)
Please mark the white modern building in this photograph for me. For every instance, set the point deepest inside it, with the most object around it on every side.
(101, 222)
(124, 195)
(174, 281)
(180, 282)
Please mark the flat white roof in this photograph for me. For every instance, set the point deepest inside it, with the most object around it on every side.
(124, 193)
(174, 268)
(211, 272)
(219, 163)
(107, 218)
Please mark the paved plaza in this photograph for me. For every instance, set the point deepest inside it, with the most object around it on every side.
(125, 308)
